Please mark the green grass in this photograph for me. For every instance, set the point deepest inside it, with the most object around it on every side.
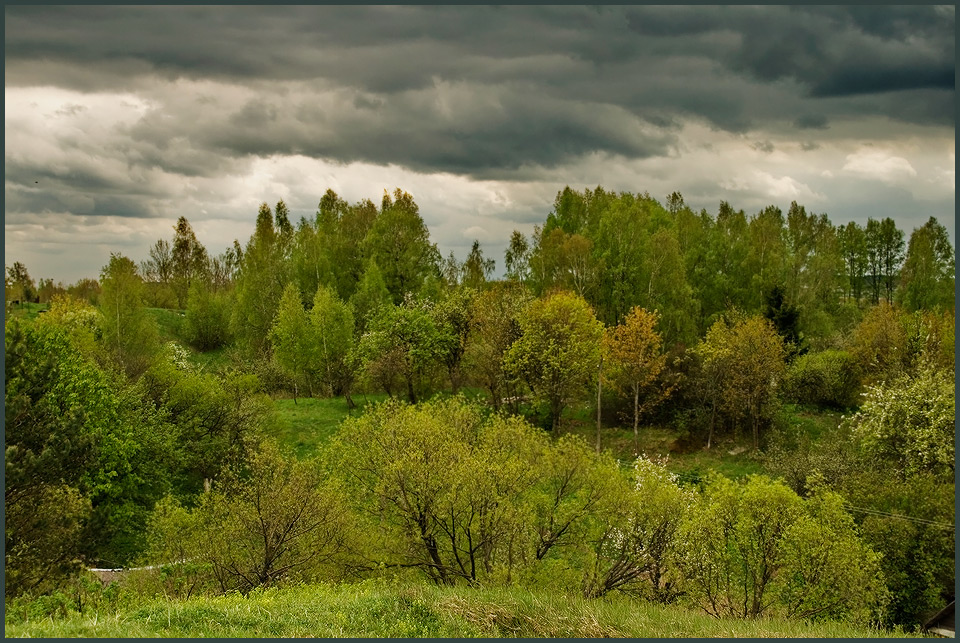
(26, 310)
(307, 423)
(169, 323)
(382, 609)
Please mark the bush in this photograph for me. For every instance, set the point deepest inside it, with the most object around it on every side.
(830, 378)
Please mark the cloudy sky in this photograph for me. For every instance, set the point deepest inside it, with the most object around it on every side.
(118, 120)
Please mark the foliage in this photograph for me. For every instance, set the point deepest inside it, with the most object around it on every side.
(745, 360)
(129, 335)
(294, 340)
(634, 361)
(558, 351)
(830, 378)
(399, 243)
(271, 522)
(402, 343)
(756, 547)
(636, 548)
(207, 317)
(910, 422)
(493, 327)
(928, 275)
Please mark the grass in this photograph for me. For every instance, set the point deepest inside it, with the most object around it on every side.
(26, 310)
(169, 323)
(383, 609)
(307, 423)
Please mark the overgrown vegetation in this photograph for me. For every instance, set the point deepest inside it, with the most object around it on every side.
(657, 412)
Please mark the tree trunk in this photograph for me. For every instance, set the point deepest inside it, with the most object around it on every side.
(599, 387)
(636, 420)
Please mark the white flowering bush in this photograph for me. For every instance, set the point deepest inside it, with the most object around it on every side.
(910, 422)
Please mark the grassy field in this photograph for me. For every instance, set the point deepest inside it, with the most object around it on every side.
(307, 423)
(383, 609)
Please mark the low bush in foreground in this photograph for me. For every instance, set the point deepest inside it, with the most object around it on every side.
(383, 609)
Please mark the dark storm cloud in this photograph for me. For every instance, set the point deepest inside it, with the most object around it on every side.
(487, 92)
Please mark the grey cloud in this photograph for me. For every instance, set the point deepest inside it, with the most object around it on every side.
(812, 121)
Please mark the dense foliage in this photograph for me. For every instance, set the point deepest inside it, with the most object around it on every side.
(138, 409)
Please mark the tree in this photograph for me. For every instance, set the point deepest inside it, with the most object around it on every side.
(558, 351)
(370, 295)
(451, 316)
(207, 318)
(752, 356)
(635, 362)
(879, 343)
(332, 330)
(927, 278)
(400, 244)
(294, 340)
(853, 245)
(402, 342)
(189, 261)
(517, 257)
(755, 547)
(636, 548)
(874, 257)
(891, 254)
(158, 271)
(494, 326)
(275, 520)
(261, 278)
(128, 333)
(910, 422)
(476, 269)
(20, 286)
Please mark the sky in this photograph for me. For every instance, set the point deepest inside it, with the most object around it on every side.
(120, 119)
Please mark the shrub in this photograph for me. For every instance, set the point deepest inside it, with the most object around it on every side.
(830, 378)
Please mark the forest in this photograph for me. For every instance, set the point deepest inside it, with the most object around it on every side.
(745, 416)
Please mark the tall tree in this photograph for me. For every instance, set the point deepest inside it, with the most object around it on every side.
(332, 322)
(20, 286)
(874, 257)
(891, 255)
(477, 269)
(517, 257)
(927, 278)
(400, 244)
(558, 352)
(188, 260)
(261, 278)
(853, 245)
(128, 333)
(294, 340)
(634, 362)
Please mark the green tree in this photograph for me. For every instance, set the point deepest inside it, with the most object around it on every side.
(558, 352)
(752, 358)
(402, 342)
(207, 317)
(853, 245)
(370, 295)
(294, 339)
(128, 333)
(400, 244)
(476, 269)
(517, 257)
(493, 327)
(332, 331)
(634, 362)
(260, 282)
(927, 278)
(189, 261)
(755, 547)
(891, 254)
(452, 318)
(910, 422)
(20, 286)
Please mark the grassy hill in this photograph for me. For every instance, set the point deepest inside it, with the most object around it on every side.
(383, 609)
